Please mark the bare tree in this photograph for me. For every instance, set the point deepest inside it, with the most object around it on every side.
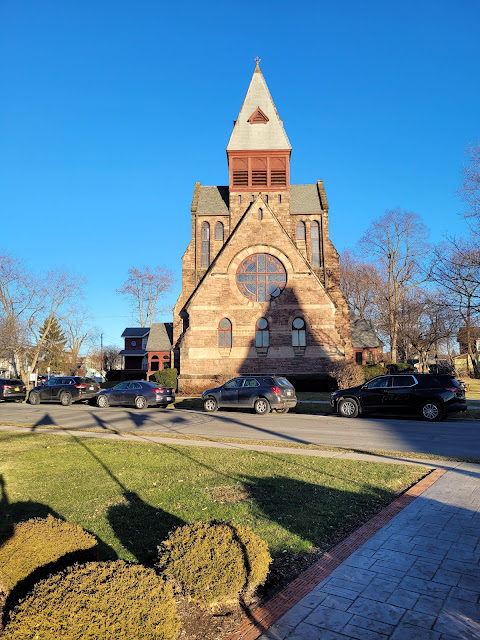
(470, 189)
(145, 288)
(457, 273)
(28, 302)
(358, 282)
(398, 240)
(79, 333)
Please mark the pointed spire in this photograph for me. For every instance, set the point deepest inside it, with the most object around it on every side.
(258, 134)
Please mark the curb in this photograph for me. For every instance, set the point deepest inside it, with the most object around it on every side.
(266, 615)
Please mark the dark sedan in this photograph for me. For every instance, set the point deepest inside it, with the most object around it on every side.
(137, 393)
(12, 390)
(432, 396)
(262, 393)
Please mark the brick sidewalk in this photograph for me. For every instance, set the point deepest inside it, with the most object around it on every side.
(412, 572)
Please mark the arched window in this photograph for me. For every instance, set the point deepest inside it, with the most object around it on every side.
(300, 231)
(260, 214)
(261, 333)
(315, 240)
(299, 338)
(219, 231)
(261, 277)
(154, 364)
(225, 333)
(205, 245)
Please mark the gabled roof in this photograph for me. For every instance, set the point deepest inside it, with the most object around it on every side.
(161, 336)
(213, 200)
(363, 333)
(136, 332)
(258, 135)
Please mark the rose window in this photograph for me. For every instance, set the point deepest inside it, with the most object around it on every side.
(261, 277)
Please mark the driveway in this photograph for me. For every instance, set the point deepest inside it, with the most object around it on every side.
(453, 437)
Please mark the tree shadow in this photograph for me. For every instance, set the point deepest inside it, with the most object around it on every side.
(141, 527)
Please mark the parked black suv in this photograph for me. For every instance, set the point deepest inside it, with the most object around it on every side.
(12, 390)
(261, 393)
(432, 395)
(65, 389)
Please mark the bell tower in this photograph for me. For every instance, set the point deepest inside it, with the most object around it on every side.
(258, 151)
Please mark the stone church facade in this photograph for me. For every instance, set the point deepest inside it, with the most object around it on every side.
(260, 276)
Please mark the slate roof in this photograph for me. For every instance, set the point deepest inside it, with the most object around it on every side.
(136, 332)
(213, 200)
(363, 333)
(304, 198)
(161, 336)
(258, 136)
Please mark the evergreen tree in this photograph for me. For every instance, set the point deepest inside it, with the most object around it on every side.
(54, 355)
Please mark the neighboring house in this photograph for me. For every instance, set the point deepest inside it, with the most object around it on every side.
(260, 276)
(135, 353)
(474, 340)
(367, 346)
(147, 349)
(159, 347)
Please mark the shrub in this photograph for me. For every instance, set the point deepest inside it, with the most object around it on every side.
(373, 370)
(167, 378)
(400, 367)
(101, 600)
(215, 561)
(347, 375)
(37, 543)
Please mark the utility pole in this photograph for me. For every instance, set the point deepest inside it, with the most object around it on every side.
(101, 354)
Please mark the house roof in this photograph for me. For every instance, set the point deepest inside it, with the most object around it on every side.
(136, 332)
(133, 352)
(161, 336)
(265, 136)
(363, 333)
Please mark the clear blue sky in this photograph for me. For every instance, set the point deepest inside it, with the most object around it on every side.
(110, 110)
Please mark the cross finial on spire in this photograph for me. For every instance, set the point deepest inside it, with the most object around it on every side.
(257, 60)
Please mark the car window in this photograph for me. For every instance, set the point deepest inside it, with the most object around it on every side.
(53, 381)
(135, 385)
(403, 381)
(122, 385)
(251, 382)
(283, 382)
(233, 384)
(379, 383)
(267, 381)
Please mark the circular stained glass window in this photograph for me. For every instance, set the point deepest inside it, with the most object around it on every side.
(261, 277)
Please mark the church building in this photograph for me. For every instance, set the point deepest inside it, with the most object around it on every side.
(260, 276)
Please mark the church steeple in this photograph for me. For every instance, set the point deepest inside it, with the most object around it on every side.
(258, 150)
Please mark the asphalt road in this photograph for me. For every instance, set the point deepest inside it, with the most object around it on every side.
(452, 437)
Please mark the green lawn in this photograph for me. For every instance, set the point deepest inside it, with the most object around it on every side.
(131, 495)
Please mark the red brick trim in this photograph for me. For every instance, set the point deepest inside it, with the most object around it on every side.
(261, 619)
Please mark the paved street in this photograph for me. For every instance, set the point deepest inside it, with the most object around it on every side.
(453, 437)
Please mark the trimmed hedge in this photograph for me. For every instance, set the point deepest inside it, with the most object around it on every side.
(167, 378)
(101, 600)
(215, 562)
(373, 370)
(400, 367)
(39, 542)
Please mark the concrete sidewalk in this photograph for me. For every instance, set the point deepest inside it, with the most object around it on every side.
(417, 578)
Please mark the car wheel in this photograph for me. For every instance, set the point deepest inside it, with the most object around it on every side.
(348, 408)
(431, 411)
(284, 410)
(261, 406)
(140, 402)
(65, 399)
(210, 404)
(102, 402)
(34, 398)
